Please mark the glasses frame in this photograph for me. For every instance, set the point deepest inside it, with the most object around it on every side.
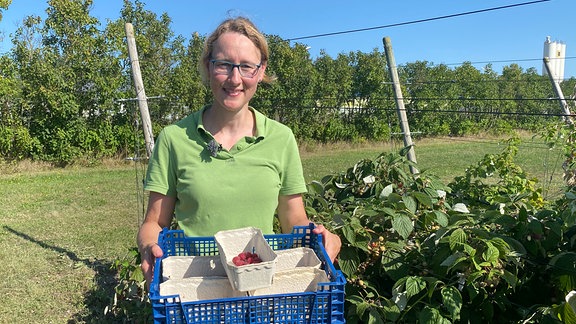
(232, 66)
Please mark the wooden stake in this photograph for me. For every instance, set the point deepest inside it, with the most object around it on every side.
(404, 126)
(140, 93)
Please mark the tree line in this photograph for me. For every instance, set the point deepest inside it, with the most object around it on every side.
(66, 91)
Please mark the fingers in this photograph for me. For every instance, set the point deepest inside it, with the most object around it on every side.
(332, 242)
(148, 259)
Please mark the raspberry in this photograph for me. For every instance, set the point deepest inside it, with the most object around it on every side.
(245, 258)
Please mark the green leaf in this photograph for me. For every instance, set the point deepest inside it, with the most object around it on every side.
(410, 203)
(399, 294)
(361, 308)
(394, 198)
(349, 234)
(441, 218)
(510, 278)
(374, 317)
(354, 299)
(423, 198)
(452, 300)
(501, 245)
(349, 260)
(431, 315)
(491, 253)
(453, 259)
(389, 211)
(137, 275)
(403, 225)
(535, 226)
(317, 187)
(414, 285)
(404, 151)
(457, 238)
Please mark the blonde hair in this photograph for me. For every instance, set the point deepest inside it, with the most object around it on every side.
(239, 25)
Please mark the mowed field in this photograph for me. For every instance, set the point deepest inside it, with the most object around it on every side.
(61, 229)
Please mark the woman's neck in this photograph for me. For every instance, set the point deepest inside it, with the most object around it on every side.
(229, 127)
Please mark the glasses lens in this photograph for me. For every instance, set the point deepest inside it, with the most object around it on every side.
(248, 70)
(225, 68)
(222, 67)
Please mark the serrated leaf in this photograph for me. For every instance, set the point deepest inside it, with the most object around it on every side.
(510, 278)
(349, 234)
(317, 187)
(394, 197)
(441, 218)
(452, 300)
(348, 261)
(453, 259)
(137, 275)
(431, 315)
(389, 211)
(457, 238)
(361, 309)
(410, 203)
(491, 253)
(414, 285)
(374, 317)
(403, 225)
(423, 198)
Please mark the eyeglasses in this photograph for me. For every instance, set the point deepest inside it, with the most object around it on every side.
(246, 70)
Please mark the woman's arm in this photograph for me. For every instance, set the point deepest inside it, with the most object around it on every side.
(291, 213)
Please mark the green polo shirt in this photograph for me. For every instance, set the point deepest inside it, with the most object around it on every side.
(234, 189)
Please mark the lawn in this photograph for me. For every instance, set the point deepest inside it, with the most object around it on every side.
(61, 229)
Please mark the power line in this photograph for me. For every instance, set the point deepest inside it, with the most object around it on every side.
(417, 21)
(511, 61)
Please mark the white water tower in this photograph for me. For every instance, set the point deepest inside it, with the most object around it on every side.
(556, 52)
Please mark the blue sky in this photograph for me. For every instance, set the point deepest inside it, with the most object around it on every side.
(503, 36)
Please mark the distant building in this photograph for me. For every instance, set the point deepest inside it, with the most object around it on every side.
(556, 52)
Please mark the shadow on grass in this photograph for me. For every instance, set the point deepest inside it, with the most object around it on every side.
(96, 299)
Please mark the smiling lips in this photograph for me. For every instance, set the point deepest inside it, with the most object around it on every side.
(233, 92)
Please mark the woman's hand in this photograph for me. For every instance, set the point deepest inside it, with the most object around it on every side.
(148, 257)
(332, 242)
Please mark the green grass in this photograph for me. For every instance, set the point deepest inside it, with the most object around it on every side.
(60, 230)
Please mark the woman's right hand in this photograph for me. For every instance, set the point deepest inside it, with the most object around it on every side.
(148, 258)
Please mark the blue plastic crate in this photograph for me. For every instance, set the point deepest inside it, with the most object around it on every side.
(326, 305)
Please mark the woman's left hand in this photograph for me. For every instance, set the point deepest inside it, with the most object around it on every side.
(332, 242)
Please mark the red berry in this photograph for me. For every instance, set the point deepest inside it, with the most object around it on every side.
(246, 257)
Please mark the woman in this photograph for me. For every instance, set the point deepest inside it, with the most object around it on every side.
(226, 166)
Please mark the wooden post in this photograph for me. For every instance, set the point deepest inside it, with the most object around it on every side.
(559, 93)
(404, 126)
(140, 93)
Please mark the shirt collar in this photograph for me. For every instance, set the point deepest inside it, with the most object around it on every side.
(258, 116)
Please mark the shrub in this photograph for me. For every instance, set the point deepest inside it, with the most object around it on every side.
(414, 252)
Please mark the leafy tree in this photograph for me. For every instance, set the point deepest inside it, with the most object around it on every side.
(290, 98)
(428, 90)
(334, 88)
(157, 49)
(186, 88)
(4, 5)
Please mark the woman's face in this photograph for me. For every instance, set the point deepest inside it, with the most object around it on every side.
(232, 91)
